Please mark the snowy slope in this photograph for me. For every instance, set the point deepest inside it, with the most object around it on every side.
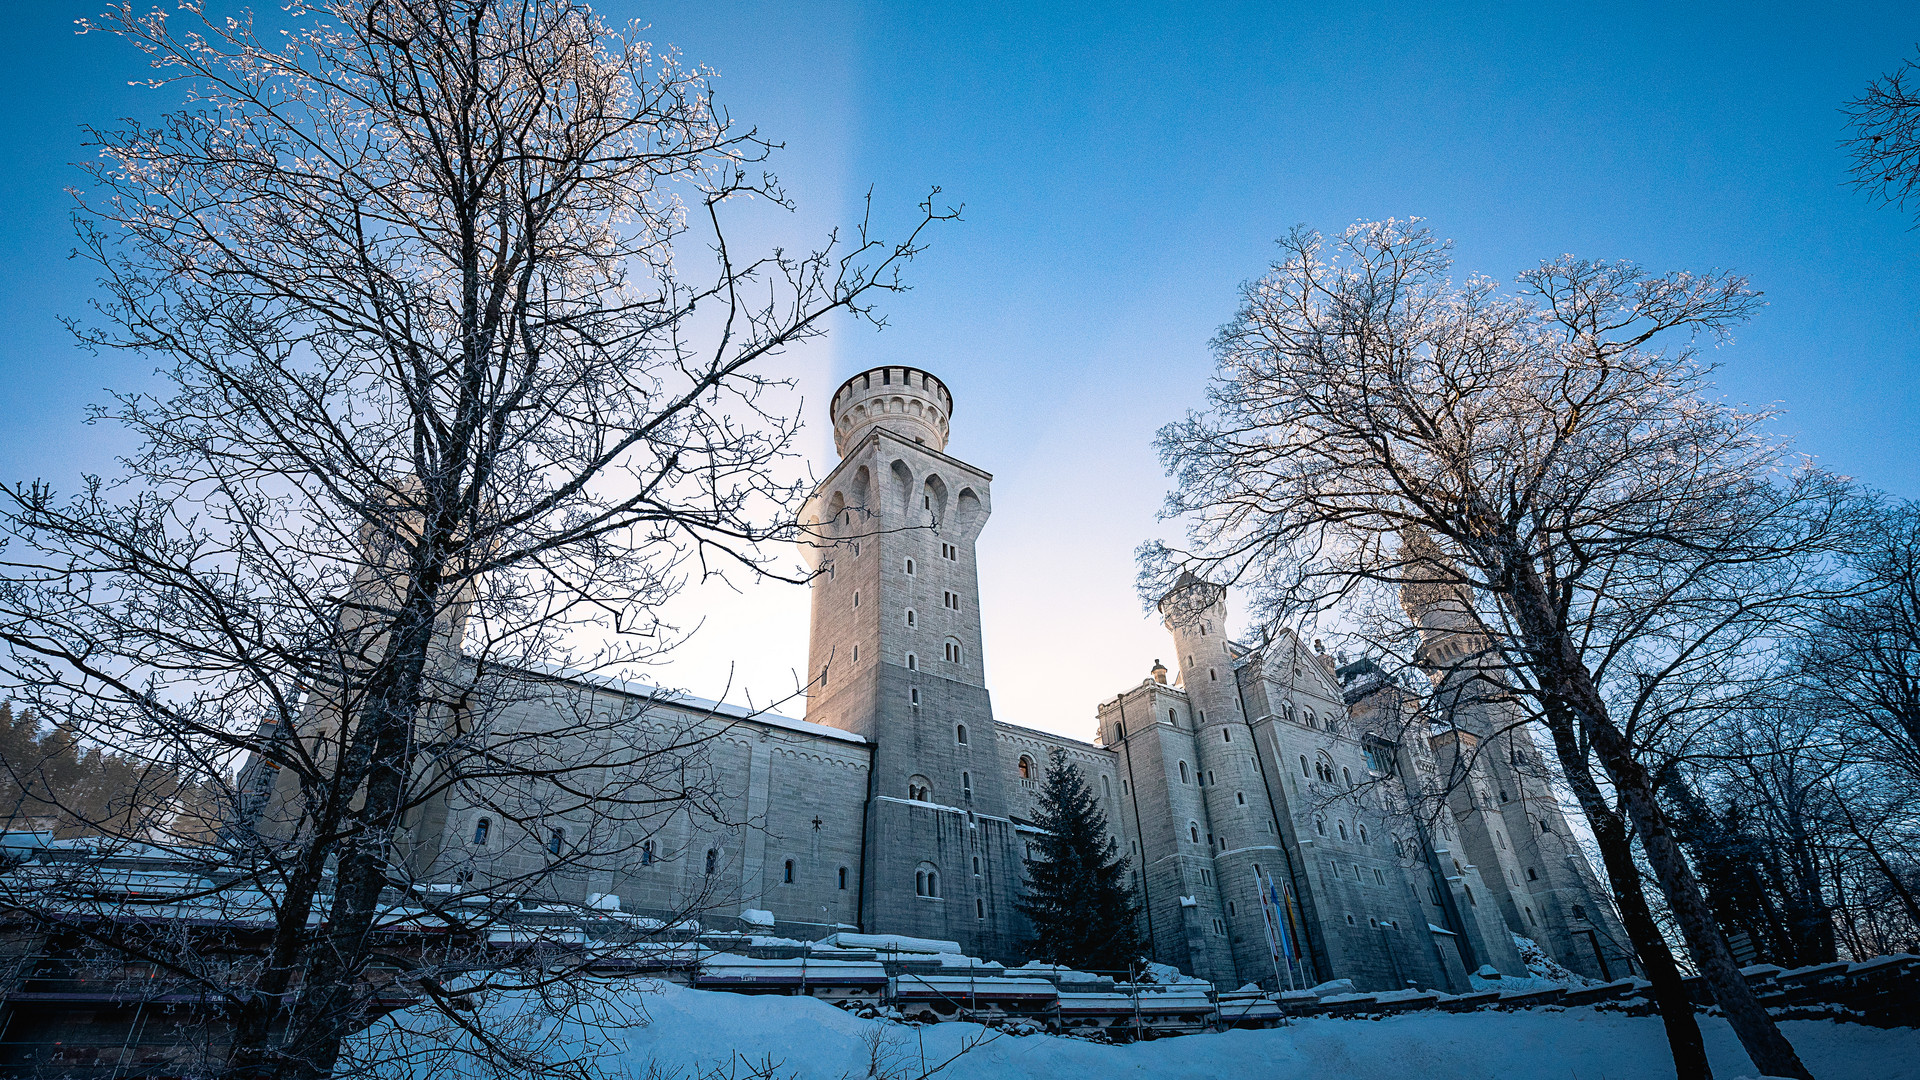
(688, 1031)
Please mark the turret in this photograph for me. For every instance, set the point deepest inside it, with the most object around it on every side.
(904, 400)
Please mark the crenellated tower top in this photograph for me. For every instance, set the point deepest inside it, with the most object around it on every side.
(904, 400)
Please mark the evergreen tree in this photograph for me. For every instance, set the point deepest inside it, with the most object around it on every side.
(1082, 911)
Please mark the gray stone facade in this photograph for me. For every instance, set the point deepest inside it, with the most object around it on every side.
(902, 806)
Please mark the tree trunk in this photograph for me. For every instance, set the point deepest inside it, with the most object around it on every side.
(1561, 673)
(1616, 854)
(327, 1008)
(253, 1024)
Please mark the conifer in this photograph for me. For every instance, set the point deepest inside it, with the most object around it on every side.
(1083, 914)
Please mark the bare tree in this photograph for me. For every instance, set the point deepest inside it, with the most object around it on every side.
(1886, 136)
(460, 368)
(1544, 458)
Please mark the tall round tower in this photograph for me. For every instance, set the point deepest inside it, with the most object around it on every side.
(904, 400)
(1239, 828)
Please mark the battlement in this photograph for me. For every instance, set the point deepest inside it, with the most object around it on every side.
(905, 400)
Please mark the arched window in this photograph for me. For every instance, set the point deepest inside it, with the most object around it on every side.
(646, 853)
(856, 598)
(1183, 773)
(909, 566)
(1363, 834)
(913, 695)
(1106, 787)
(1342, 826)
(960, 734)
(1347, 775)
(786, 876)
(1173, 718)
(1320, 825)
(1531, 876)
(1530, 919)
(1026, 767)
(1543, 826)
(953, 652)
(976, 866)
(979, 908)
(966, 785)
(913, 662)
(919, 788)
(556, 840)
(480, 830)
(919, 883)
(843, 879)
(1193, 831)
(1312, 722)
(926, 881)
(1304, 771)
(910, 618)
(713, 860)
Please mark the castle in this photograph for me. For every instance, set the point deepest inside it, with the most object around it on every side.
(900, 805)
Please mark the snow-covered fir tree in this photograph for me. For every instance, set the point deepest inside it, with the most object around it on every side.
(1082, 912)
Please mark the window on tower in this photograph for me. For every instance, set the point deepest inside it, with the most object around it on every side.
(913, 664)
(1026, 767)
(909, 566)
(960, 734)
(910, 618)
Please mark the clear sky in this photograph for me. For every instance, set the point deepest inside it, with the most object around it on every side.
(1124, 168)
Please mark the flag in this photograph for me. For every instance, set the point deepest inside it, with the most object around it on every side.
(1268, 919)
(1281, 917)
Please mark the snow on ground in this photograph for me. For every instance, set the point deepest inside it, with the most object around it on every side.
(688, 1032)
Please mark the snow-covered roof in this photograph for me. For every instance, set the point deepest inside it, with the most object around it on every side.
(682, 700)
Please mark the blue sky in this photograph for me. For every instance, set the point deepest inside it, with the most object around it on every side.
(1124, 168)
